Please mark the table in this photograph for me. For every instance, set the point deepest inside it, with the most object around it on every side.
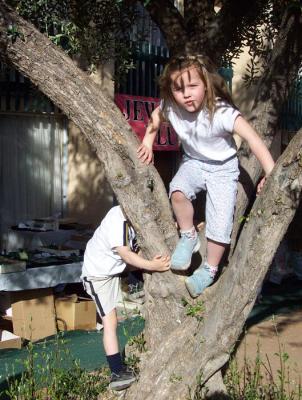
(30, 240)
(41, 277)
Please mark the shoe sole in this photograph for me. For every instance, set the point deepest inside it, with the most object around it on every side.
(121, 386)
(184, 267)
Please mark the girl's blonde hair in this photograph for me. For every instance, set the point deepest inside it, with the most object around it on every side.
(215, 85)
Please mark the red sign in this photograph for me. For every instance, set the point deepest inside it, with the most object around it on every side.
(137, 111)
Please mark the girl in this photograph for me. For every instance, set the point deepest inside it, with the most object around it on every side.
(195, 100)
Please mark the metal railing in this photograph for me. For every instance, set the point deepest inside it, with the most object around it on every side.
(19, 95)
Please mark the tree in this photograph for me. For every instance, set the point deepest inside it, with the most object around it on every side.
(182, 343)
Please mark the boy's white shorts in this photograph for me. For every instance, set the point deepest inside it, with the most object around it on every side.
(106, 292)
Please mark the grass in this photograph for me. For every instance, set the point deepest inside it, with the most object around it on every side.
(256, 380)
(44, 377)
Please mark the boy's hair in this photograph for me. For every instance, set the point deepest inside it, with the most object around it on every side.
(215, 85)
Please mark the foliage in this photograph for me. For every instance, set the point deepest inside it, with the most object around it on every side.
(258, 32)
(251, 383)
(195, 309)
(45, 378)
(95, 31)
(13, 33)
(256, 381)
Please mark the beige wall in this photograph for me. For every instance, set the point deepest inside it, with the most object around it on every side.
(243, 97)
(89, 195)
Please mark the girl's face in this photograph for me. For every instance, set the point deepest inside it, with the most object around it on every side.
(188, 89)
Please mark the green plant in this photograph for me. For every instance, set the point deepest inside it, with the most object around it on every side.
(136, 346)
(132, 361)
(13, 33)
(256, 381)
(174, 378)
(45, 378)
(195, 310)
(138, 342)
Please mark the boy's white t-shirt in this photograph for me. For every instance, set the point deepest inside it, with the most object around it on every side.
(100, 257)
(200, 137)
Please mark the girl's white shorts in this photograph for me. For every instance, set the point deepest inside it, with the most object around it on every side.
(219, 179)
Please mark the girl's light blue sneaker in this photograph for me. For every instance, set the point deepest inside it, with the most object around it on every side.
(186, 246)
(200, 280)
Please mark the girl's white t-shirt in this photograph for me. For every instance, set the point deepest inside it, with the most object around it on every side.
(201, 137)
(100, 257)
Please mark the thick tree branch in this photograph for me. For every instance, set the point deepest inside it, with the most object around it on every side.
(171, 24)
(198, 14)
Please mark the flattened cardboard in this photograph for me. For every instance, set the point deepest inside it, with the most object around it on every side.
(33, 313)
(9, 341)
(75, 313)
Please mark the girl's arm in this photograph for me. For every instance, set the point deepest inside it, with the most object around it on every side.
(145, 152)
(247, 132)
(158, 263)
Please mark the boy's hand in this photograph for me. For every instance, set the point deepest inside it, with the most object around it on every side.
(161, 263)
(145, 154)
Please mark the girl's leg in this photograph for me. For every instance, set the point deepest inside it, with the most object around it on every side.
(183, 210)
(215, 251)
(221, 182)
(204, 275)
(186, 183)
(189, 241)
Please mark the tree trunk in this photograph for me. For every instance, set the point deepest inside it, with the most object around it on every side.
(179, 346)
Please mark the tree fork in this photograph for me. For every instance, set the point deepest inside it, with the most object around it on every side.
(206, 346)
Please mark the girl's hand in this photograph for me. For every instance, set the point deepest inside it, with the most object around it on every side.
(145, 154)
(161, 263)
(261, 184)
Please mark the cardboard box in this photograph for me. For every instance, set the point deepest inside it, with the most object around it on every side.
(75, 312)
(33, 313)
(9, 341)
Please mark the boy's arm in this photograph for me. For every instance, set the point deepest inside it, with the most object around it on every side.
(145, 152)
(247, 132)
(158, 263)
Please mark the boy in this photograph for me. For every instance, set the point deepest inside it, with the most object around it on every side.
(112, 246)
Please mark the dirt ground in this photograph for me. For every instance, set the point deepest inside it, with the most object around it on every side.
(279, 334)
